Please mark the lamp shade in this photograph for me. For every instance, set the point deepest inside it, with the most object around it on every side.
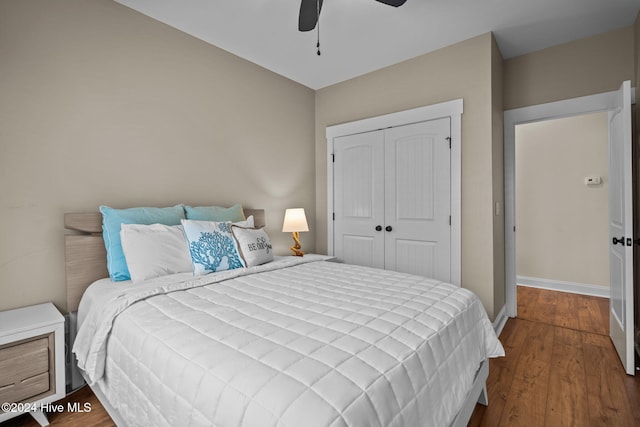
(295, 221)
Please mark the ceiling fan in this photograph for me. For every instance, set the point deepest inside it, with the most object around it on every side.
(310, 11)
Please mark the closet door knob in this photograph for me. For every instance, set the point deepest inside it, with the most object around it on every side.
(378, 228)
(388, 228)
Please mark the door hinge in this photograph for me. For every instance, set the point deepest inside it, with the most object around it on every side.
(449, 140)
(334, 216)
(449, 220)
(333, 158)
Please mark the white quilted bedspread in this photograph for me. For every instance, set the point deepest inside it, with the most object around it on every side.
(293, 343)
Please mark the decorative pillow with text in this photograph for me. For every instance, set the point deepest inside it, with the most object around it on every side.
(254, 244)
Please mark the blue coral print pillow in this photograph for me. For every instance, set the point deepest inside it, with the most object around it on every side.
(212, 246)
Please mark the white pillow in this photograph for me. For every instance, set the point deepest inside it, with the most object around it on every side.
(247, 223)
(212, 246)
(154, 250)
(254, 244)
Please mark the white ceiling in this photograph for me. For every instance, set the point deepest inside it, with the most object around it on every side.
(358, 36)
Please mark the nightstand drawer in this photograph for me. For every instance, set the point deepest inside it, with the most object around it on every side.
(25, 389)
(25, 368)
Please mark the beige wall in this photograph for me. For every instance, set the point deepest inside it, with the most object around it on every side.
(562, 224)
(102, 105)
(636, 52)
(463, 70)
(585, 67)
(497, 123)
(636, 31)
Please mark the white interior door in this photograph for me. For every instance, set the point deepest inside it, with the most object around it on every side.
(359, 199)
(418, 199)
(621, 227)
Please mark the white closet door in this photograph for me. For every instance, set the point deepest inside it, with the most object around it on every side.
(359, 199)
(418, 199)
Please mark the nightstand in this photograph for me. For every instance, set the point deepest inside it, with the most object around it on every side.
(32, 371)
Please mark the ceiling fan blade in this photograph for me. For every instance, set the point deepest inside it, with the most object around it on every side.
(394, 3)
(308, 15)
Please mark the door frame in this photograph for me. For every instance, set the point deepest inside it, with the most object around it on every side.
(535, 113)
(452, 109)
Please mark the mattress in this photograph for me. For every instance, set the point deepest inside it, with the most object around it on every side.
(299, 341)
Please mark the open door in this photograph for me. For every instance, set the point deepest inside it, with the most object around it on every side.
(621, 227)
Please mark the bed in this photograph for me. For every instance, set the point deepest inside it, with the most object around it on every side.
(296, 341)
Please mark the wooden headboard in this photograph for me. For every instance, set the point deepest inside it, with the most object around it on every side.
(85, 255)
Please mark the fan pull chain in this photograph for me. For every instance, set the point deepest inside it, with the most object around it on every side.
(318, 24)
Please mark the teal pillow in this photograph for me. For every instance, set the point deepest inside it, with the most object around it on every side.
(112, 219)
(215, 213)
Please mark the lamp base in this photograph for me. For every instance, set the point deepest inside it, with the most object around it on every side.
(296, 248)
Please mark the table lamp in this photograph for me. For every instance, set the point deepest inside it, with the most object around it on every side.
(294, 222)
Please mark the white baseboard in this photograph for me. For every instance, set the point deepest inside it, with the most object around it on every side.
(557, 285)
(501, 320)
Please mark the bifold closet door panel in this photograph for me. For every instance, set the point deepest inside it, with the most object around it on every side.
(359, 199)
(418, 199)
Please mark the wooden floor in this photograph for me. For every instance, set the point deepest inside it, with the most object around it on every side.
(579, 312)
(560, 369)
(97, 416)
